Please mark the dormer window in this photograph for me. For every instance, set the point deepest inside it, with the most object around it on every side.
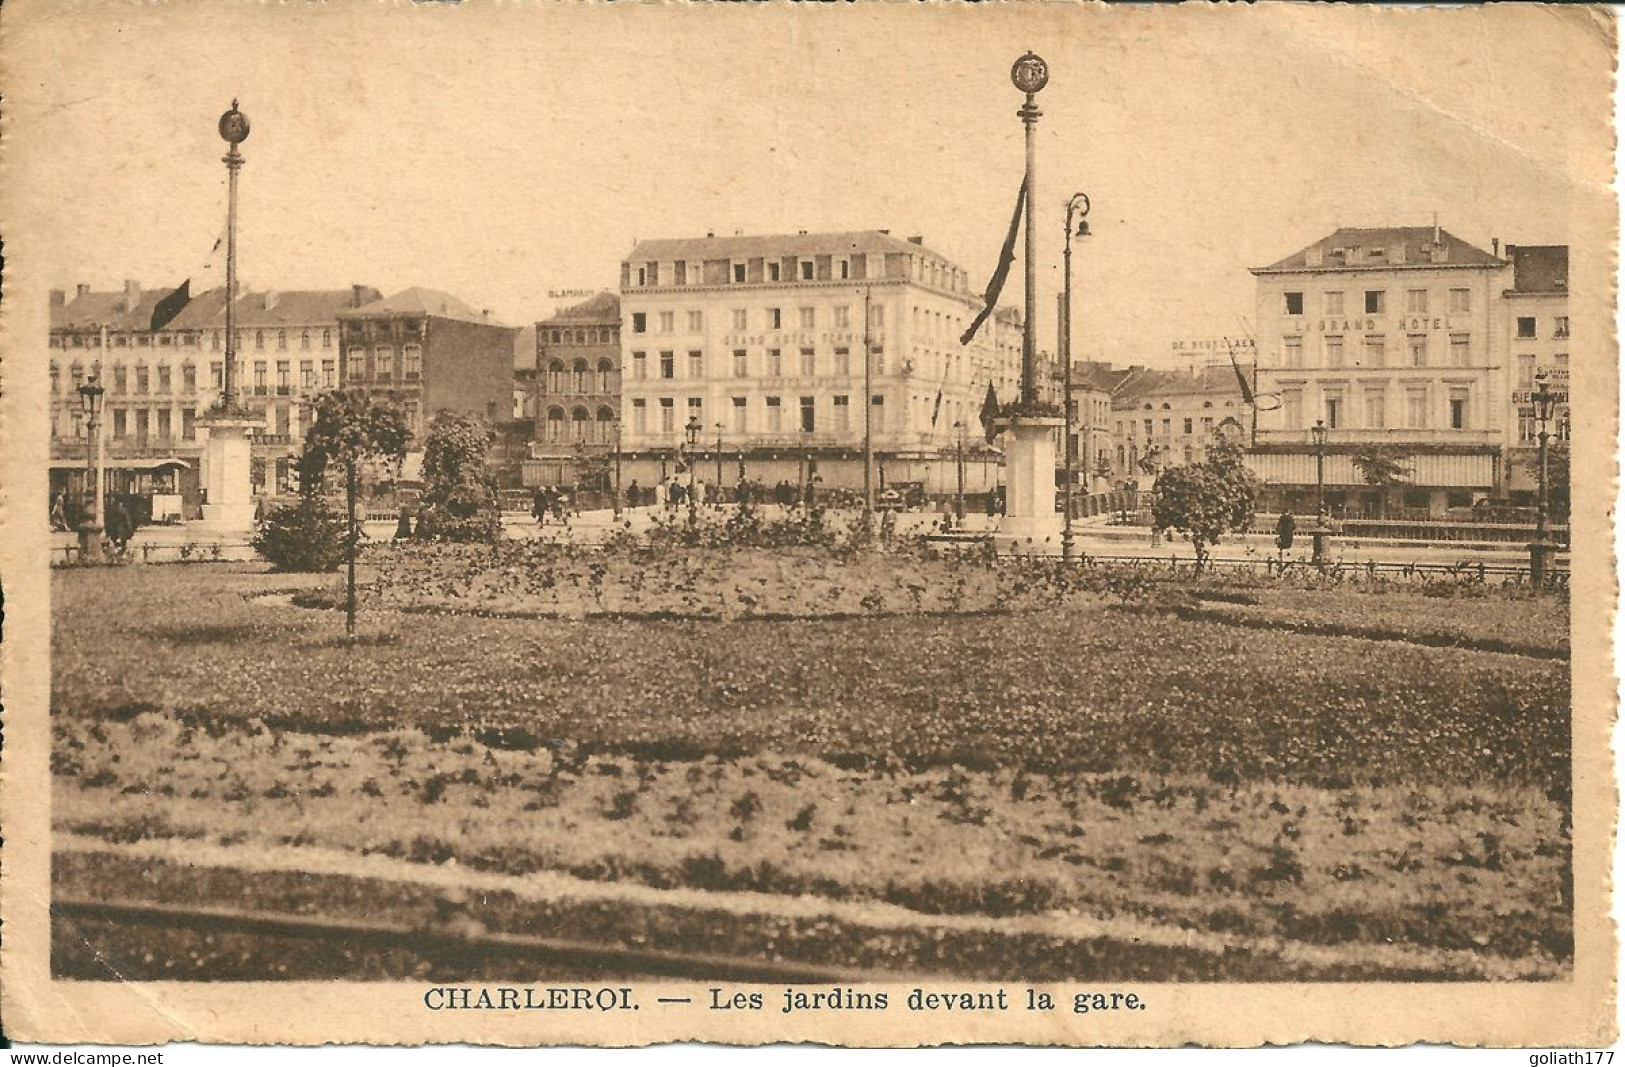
(807, 270)
(739, 273)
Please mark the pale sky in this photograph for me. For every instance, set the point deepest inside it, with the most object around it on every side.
(499, 153)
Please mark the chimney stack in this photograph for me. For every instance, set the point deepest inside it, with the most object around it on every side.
(1495, 247)
(485, 314)
(132, 294)
(355, 295)
(59, 298)
(81, 290)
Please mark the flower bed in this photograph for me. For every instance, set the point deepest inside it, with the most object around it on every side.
(1078, 756)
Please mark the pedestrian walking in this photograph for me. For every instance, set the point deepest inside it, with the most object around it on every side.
(119, 528)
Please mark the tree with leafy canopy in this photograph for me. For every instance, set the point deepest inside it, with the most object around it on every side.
(350, 430)
(1382, 467)
(1206, 500)
(459, 495)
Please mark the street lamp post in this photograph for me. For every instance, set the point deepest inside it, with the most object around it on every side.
(1077, 222)
(90, 533)
(691, 433)
(1542, 548)
(868, 417)
(1318, 534)
(615, 457)
(228, 453)
(718, 494)
(959, 472)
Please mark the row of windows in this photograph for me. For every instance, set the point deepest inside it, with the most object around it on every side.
(1167, 426)
(139, 423)
(159, 380)
(1417, 302)
(1528, 327)
(772, 318)
(1374, 350)
(1416, 413)
(185, 339)
(743, 271)
(771, 363)
(773, 419)
(580, 377)
(582, 335)
(381, 366)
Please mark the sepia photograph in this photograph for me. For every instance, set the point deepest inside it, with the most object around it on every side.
(875, 524)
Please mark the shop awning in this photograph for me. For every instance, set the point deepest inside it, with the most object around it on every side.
(133, 463)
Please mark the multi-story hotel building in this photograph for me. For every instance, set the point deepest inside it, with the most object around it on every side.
(158, 383)
(1537, 336)
(759, 343)
(575, 390)
(1389, 337)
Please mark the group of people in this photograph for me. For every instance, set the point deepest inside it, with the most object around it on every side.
(118, 517)
(554, 501)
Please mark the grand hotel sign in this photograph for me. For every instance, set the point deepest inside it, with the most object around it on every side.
(1368, 324)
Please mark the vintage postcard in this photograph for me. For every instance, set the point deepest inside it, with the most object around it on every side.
(878, 524)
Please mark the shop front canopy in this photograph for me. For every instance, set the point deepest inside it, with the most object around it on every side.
(124, 463)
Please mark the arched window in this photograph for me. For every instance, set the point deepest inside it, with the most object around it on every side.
(606, 420)
(578, 424)
(555, 425)
(555, 379)
(605, 369)
(56, 377)
(578, 377)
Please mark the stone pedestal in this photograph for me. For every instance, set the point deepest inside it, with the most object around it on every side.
(1029, 465)
(1541, 551)
(229, 505)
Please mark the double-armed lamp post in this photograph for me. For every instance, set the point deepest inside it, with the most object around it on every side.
(1541, 549)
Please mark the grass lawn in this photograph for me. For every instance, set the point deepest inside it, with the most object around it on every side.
(1258, 765)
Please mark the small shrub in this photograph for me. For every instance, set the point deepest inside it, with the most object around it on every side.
(304, 537)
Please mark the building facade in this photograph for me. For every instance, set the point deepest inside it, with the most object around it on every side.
(1389, 337)
(429, 352)
(1537, 338)
(159, 383)
(575, 391)
(1165, 418)
(759, 343)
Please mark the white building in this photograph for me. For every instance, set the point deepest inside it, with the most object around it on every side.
(760, 341)
(1390, 337)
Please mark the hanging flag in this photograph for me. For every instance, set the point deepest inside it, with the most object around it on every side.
(990, 412)
(936, 408)
(164, 312)
(1241, 380)
(1007, 256)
